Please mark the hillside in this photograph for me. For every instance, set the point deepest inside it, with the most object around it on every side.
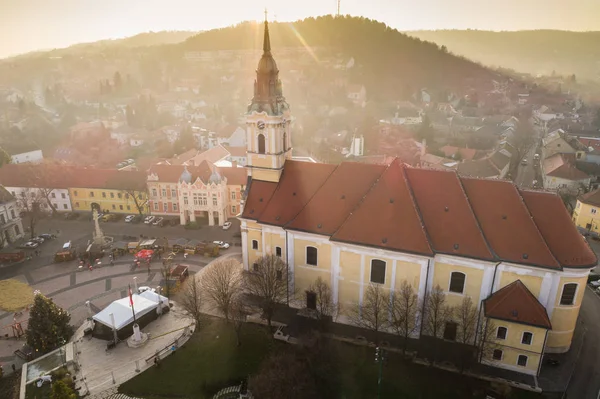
(393, 63)
(533, 52)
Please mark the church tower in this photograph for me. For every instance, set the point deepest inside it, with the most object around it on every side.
(268, 120)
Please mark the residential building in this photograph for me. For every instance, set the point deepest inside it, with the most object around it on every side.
(357, 94)
(556, 143)
(495, 166)
(560, 172)
(237, 138)
(431, 161)
(428, 228)
(32, 156)
(46, 184)
(109, 190)
(592, 154)
(237, 155)
(11, 228)
(586, 214)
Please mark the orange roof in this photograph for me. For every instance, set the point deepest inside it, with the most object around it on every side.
(421, 211)
(591, 198)
(234, 176)
(330, 206)
(563, 166)
(515, 303)
(297, 185)
(236, 151)
(261, 193)
(568, 247)
(387, 218)
(172, 173)
(506, 222)
(45, 175)
(450, 221)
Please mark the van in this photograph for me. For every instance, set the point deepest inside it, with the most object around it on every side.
(109, 217)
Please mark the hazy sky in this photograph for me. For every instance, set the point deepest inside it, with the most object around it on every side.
(27, 25)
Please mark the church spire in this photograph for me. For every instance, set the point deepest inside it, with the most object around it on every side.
(267, 39)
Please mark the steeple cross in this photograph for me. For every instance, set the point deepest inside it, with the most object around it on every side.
(266, 14)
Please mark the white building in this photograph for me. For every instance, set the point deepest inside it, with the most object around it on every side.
(11, 228)
(33, 156)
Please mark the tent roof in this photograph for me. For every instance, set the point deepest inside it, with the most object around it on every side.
(121, 310)
(153, 296)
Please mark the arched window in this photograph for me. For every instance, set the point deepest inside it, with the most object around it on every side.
(311, 256)
(261, 143)
(378, 271)
(457, 282)
(568, 294)
(284, 141)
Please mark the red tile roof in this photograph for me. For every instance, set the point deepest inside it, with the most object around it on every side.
(591, 198)
(450, 221)
(563, 166)
(568, 247)
(466, 153)
(488, 219)
(297, 185)
(387, 217)
(172, 173)
(506, 222)
(47, 175)
(515, 303)
(235, 176)
(260, 195)
(332, 204)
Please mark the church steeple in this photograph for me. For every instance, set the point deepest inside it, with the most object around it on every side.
(268, 93)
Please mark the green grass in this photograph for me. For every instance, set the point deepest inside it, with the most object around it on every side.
(206, 364)
(211, 360)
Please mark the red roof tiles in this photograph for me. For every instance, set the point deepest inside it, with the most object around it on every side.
(330, 206)
(421, 211)
(299, 182)
(506, 223)
(450, 221)
(568, 247)
(387, 217)
(234, 176)
(260, 194)
(515, 303)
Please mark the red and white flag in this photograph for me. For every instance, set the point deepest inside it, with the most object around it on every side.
(130, 297)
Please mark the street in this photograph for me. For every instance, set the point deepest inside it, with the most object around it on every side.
(527, 173)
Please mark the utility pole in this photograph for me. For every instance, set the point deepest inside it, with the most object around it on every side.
(379, 358)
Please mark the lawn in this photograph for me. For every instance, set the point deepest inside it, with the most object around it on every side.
(211, 361)
(15, 295)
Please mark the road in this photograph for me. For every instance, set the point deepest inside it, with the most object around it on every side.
(526, 173)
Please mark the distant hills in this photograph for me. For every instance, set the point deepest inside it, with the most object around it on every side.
(534, 52)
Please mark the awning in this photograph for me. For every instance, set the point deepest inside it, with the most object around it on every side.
(180, 241)
(145, 253)
(120, 245)
(147, 243)
(133, 245)
(121, 310)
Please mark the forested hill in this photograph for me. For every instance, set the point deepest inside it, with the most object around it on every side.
(534, 52)
(390, 59)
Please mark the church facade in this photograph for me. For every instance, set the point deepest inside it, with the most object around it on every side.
(514, 252)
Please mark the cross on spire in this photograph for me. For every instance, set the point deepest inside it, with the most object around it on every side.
(266, 14)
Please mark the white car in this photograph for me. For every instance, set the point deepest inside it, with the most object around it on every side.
(129, 218)
(221, 244)
(30, 245)
(157, 221)
(145, 288)
(149, 219)
(226, 225)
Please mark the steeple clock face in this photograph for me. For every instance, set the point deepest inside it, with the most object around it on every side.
(260, 125)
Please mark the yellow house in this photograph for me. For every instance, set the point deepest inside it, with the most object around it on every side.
(358, 225)
(518, 326)
(586, 214)
(109, 190)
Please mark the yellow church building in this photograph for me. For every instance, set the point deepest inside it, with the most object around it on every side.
(514, 252)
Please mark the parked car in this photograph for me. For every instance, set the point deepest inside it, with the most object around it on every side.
(158, 222)
(110, 217)
(145, 288)
(29, 245)
(129, 218)
(47, 237)
(524, 162)
(149, 219)
(221, 244)
(226, 225)
(38, 239)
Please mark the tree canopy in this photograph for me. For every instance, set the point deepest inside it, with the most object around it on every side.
(48, 326)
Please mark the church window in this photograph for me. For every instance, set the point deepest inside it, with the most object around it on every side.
(261, 143)
(284, 141)
(311, 256)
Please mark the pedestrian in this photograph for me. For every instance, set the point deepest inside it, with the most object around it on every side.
(156, 363)
(185, 255)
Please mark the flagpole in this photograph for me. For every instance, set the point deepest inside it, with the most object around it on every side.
(131, 302)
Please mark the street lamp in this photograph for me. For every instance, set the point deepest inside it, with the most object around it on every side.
(380, 356)
(135, 284)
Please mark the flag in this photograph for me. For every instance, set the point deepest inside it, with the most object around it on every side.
(130, 297)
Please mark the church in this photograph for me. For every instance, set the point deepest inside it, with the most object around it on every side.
(514, 252)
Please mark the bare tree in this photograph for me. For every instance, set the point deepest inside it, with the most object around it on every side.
(465, 315)
(221, 283)
(269, 280)
(486, 334)
(436, 313)
(165, 272)
(239, 311)
(191, 301)
(31, 202)
(139, 198)
(373, 313)
(326, 305)
(405, 312)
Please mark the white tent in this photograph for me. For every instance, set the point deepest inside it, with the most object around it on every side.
(121, 309)
(154, 297)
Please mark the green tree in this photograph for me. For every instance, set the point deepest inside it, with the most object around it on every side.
(597, 120)
(60, 390)
(185, 141)
(48, 326)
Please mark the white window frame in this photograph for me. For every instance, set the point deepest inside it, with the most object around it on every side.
(384, 271)
(306, 256)
(156, 206)
(526, 360)
(505, 335)
(523, 336)
(464, 284)
(574, 296)
(501, 356)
